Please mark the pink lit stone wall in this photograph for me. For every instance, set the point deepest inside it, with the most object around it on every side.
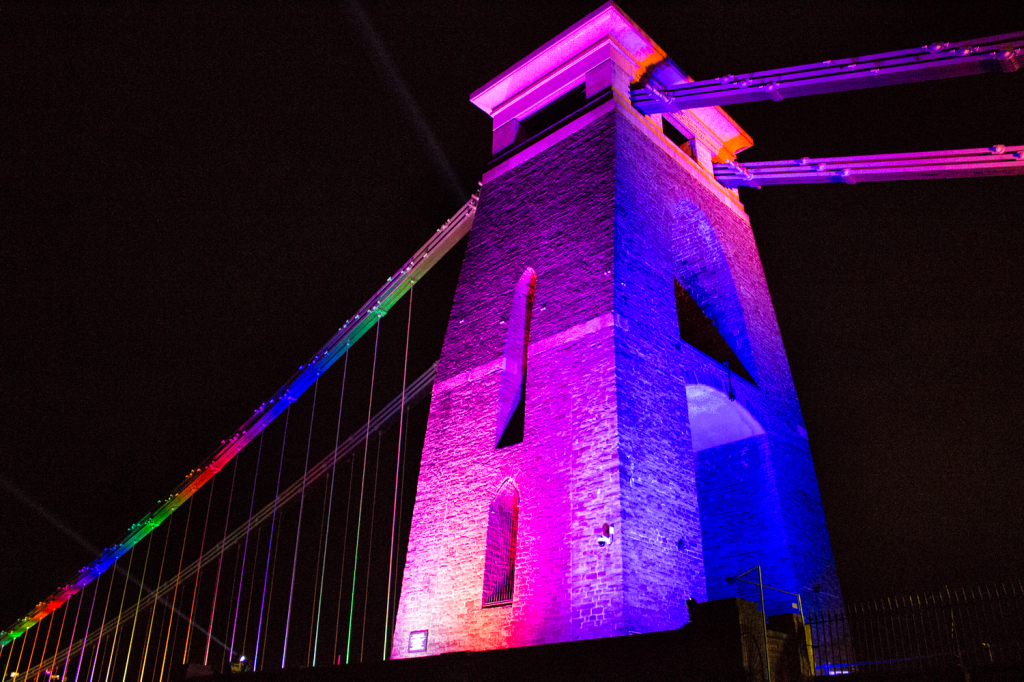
(561, 224)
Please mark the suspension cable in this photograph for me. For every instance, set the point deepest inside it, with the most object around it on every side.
(152, 614)
(103, 620)
(10, 653)
(298, 528)
(369, 548)
(60, 633)
(270, 546)
(276, 546)
(316, 574)
(398, 466)
(20, 654)
(32, 651)
(117, 625)
(85, 637)
(350, 332)
(398, 549)
(220, 561)
(46, 643)
(199, 565)
(74, 627)
(336, 657)
(174, 598)
(245, 550)
(231, 593)
(344, 556)
(330, 506)
(108, 652)
(171, 627)
(252, 585)
(138, 602)
(362, 486)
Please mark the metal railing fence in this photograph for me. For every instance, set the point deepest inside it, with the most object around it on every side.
(961, 628)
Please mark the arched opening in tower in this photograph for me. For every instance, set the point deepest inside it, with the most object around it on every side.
(716, 420)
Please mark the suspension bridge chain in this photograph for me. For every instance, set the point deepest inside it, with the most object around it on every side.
(665, 88)
(957, 163)
(439, 244)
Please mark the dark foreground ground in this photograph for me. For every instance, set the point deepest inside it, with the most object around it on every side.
(722, 642)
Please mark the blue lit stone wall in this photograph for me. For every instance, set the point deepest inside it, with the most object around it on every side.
(662, 548)
(758, 498)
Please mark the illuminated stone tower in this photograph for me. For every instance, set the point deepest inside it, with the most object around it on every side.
(590, 460)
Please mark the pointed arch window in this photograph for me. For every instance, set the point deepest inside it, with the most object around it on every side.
(500, 561)
(512, 393)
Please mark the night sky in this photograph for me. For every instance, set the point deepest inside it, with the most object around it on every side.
(193, 197)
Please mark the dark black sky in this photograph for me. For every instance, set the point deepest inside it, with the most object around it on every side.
(194, 196)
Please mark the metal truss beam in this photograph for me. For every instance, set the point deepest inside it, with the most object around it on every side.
(956, 163)
(659, 92)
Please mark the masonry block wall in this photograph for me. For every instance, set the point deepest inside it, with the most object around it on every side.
(562, 225)
(759, 500)
(661, 535)
(626, 424)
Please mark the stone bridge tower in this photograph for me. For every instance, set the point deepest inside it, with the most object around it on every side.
(591, 461)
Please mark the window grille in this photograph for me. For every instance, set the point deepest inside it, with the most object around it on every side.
(500, 562)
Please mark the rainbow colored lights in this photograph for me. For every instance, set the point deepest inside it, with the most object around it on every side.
(351, 331)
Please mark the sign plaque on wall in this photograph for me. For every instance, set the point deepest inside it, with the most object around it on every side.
(418, 641)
